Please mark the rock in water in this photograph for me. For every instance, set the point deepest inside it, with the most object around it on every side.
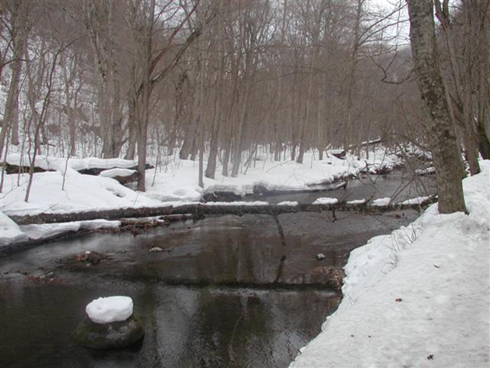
(320, 256)
(109, 324)
(108, 335)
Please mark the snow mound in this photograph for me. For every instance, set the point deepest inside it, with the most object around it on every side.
(417, 200)
(9, 231)
(357, 201)
(56, 163)
(110, 309)
(288, 203)
(326, 200)
(382, 201)
(53, 192)
(111, 173)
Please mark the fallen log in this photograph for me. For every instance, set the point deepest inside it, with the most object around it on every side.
(198, 210)
(98, 170)
(15, 169)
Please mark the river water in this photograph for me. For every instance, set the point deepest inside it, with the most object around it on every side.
(225, 291)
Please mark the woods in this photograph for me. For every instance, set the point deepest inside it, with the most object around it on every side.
(214, 81)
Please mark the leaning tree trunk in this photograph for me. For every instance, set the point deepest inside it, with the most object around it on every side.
(441, 134)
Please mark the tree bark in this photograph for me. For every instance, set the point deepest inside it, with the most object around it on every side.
(441, 134)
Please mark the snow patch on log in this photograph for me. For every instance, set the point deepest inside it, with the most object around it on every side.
(326, 200)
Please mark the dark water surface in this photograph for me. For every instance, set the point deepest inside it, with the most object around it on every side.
(225, 292)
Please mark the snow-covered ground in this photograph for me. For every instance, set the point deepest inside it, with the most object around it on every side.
(419, 297)
(66, 190)
(177, 180)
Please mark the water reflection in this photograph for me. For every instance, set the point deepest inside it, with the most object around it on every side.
(212, 298)
(185, 327)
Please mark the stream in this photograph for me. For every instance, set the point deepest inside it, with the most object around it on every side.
(225, 291)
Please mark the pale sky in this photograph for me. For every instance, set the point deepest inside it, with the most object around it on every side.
(403, 28)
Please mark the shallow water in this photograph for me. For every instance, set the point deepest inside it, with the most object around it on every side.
(225, 292)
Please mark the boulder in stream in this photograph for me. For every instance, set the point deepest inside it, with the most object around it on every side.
(108, 335)
(109, 324)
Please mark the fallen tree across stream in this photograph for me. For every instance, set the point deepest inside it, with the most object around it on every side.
(199, 210)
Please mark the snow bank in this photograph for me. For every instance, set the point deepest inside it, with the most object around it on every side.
(110, 309)
(9, 231)
(175, 181)
(112, 173)
(81, 193)
(418, 297)
(55, 163)
(46, 231)
(374, 160)
(178, 180)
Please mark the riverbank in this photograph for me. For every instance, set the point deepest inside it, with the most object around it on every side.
(418, 297)
(65, 190)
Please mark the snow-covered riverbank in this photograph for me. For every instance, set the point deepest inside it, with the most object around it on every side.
(66, 190)
(419, 297)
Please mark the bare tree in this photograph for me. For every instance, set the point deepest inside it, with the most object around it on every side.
(18, 28)
(440, 129)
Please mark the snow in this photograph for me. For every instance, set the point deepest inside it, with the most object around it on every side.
(110, 309)
(326, 200)
(382, 201)
(65, 190)
(9, 231)
(428, 171)
(418, 297)
(238, 203)
(46, 231)
(111, 173)
(178, 179)
(417, 200)
(357, 201)
(81, 193)
(55, 163)
(288, 203)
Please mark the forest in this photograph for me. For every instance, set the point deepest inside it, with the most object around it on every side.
(244, 183)
(218, 79)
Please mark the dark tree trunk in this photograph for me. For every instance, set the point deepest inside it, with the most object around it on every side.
(441, 134)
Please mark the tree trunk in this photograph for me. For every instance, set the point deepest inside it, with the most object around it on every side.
(205, 209)
(132, 131)
(442, 138)
(10, 119)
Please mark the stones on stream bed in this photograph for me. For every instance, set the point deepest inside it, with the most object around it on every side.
(328, 276)
(88, 258)
(109, 324)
